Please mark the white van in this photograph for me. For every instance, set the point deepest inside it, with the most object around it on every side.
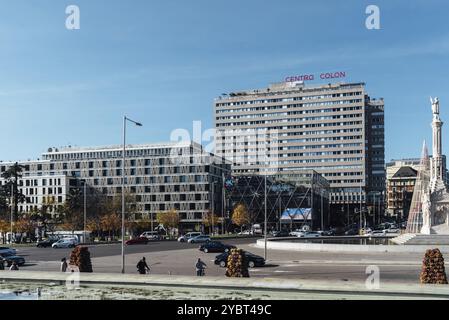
(188, 236)
(151, 235)
(65, 243)
(256, 229)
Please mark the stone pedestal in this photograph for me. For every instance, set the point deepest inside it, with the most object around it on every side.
(425, 230)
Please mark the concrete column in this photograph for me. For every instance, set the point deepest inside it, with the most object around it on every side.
(437, 168)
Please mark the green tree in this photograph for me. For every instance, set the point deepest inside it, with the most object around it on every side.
(111, 223)
(10, 188)
(24, 226)
(73, 218)
(5, 226)
(211, 220)
(42, 216)
(169, 219)
(240, 216)
(3, 202)
(93, 225)
(73, 210)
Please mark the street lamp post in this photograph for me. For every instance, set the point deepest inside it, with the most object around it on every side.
(123, 187)
(213, 208)
(223, 195)
(265, 235)
(151, 218)
(85, 212)
(12, 208)
(361, 181)
(322, 213)
(280, 210)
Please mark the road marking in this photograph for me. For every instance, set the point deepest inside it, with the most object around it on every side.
(347, 262)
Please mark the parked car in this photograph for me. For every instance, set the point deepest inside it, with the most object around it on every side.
(245, 233)
(352, 232)
(7, 250)
(337, 231)
(151, 235)
(199, 239)
(326, 233)
(280, 234)
(256, 229)
(252, 260)
(189, 235)
(215, 246)
(65, 243)
(10, 258)
(46, 243)
(139, 240)
(391, 230)
(312, 234)
(297, 233)
(377, 233)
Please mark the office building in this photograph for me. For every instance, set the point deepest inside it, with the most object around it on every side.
(180, 176)
(335, 129)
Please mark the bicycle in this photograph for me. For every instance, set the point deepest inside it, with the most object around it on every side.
(201, 272)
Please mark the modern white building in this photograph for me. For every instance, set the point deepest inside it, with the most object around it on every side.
(175, 175)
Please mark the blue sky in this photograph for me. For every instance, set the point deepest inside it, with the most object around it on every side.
(163, 62)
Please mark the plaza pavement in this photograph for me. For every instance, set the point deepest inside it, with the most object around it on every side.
(394, 267)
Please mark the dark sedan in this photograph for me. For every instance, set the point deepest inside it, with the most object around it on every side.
(280, 234)
(216, 246)
(46, 243)
(251, 259)
(352, 232)
(140, 240)
(10, 258)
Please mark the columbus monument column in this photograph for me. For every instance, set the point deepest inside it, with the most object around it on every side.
(435, 200)
(429, 213)
(437, 161)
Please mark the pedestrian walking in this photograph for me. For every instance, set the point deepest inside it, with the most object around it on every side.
(2, 264)
(64, 265)
(14, 267)
(142, 266)
(200, 266)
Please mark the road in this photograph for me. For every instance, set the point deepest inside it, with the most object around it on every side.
(106, 250)
(169, 257)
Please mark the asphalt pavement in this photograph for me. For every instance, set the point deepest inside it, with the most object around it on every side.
(174, 258)
(107, 250)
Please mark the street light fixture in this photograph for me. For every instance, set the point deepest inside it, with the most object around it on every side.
(212, 212)
(265, 220)
(138, 124)
(85, 209)
(12, 206)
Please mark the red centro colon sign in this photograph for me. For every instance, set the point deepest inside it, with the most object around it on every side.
(306, 77)
(311, 77)
(335, 75)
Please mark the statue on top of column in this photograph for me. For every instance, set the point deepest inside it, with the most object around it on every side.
(435, 106)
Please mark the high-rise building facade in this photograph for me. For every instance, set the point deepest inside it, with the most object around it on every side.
(335, 129)
(179, 175)
(400, 187)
